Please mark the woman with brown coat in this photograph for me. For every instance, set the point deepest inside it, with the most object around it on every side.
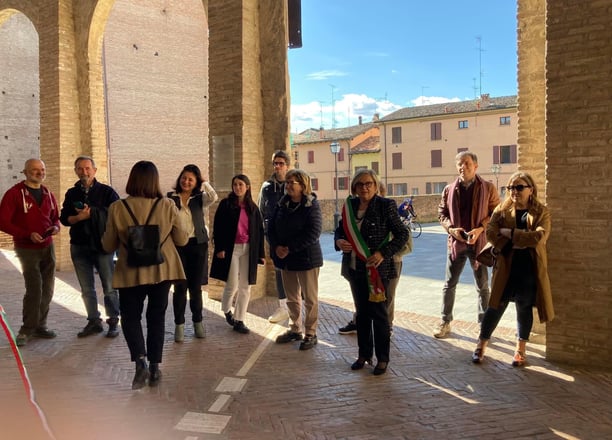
(518, 230)
(151, 282)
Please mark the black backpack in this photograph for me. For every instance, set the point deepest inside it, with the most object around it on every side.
(143, 244)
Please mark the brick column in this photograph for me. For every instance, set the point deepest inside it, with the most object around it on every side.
(59, 106)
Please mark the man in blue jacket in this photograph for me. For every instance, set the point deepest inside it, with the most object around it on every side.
(85, 210)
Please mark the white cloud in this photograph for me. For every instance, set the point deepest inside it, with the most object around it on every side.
(322, 75)
(345, 112)
(348, 108)
(428, 100)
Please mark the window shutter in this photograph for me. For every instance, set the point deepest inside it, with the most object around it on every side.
(495, 154)
(513, 156)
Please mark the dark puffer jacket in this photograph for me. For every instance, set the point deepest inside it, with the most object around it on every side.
(299, 228)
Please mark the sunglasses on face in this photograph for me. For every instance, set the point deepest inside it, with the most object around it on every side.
(364, 184)
(518, 188)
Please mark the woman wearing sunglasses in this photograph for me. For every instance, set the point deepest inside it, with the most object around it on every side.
(520, 226)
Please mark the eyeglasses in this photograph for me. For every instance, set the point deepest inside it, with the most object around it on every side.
(519, 188)
(279, 164)
(364, 184)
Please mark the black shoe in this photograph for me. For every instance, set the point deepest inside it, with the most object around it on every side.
(44, 333)
(380, 368)
(93, 327)
(141, 376)
(154, 374)
(229, 317)
(288, 336)
(308, 342)
(349, 328)
(240, 327)
(360, 363)
(113, 330)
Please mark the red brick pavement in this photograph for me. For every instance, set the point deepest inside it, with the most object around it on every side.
(247, 387)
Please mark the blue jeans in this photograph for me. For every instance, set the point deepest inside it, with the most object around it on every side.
(524, 319)
(85, 260)
(38, 268)
(453, 273)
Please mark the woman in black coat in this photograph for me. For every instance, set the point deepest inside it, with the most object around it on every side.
(294, 232)
(239, 246)
(369, 234)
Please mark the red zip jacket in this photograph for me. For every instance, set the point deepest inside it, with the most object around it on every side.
(20, 216)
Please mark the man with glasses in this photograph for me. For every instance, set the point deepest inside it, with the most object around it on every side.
(271, 192)
(85, 210)
(464, 211)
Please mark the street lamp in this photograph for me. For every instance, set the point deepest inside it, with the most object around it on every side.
(335, 149)
(496, 169)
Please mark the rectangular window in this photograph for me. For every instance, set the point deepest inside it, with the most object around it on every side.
(504, 120)
(396, 135)
(434, 187)
(343, 183)
(463, 124)
(436, 131)
(315, 184)
(415, 191)
(341, 155)
(504, 154)
(396, 161)
(360, 168)
(436, 158)
(375, 167)
(311, 156)
(390, 189)
(401, 189)
(460, 149)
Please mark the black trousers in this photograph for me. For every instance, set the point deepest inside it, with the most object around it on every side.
(131, 302)
(194, 259)
(373, 333)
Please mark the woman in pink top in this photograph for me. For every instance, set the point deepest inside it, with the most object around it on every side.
(239, 246)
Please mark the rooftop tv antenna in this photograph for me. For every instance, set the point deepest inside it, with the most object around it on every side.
(480, 51)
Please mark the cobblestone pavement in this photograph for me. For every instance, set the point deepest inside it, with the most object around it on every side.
(234, 386)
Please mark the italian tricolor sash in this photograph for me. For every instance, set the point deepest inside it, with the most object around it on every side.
(375, 285)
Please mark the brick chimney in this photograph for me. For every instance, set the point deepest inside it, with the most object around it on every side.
(360, 120)
(376, 117)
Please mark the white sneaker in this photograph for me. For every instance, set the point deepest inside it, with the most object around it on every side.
(179, 333)
(281, 314)
(442, 330)
(199, 330)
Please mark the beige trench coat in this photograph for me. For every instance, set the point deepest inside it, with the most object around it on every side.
(170, 225)
(534, 238)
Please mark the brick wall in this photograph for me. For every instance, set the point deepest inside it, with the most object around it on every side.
(578, 170)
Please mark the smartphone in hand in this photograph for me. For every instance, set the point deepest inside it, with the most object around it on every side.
(78, 205)
(47, 233)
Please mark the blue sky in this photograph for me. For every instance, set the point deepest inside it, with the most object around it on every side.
(378, 56)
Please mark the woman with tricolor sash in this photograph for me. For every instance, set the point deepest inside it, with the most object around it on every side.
(369, 234)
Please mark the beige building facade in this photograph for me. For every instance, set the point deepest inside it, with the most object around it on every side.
(419, 144)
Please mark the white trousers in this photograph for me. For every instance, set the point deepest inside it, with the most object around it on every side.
(237, 285)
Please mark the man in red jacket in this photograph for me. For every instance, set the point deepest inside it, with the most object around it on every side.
(29, 213)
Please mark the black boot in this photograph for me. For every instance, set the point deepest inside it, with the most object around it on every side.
(154, 374)
(142, 374)
(113, 331)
